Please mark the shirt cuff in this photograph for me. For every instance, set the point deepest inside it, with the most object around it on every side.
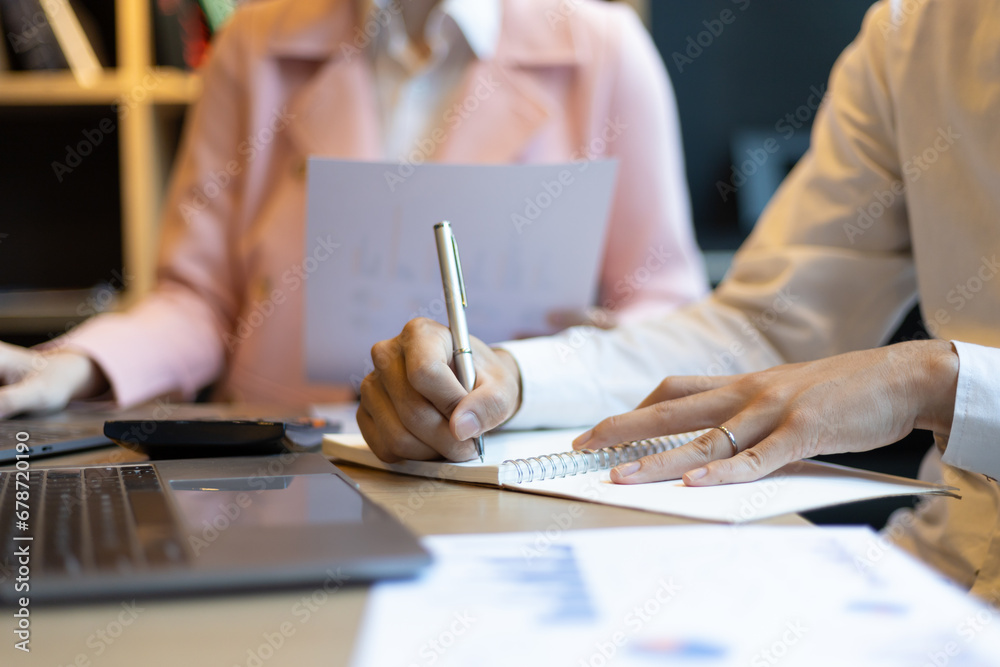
(553, 384)
(974, 444)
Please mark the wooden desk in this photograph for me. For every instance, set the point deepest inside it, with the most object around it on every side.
(231, 630)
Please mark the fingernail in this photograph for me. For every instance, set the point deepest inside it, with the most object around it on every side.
(582, 439)
(467, 426)
(626, 469)
(697, 473)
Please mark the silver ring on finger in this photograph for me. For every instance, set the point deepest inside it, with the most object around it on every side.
(732, 439)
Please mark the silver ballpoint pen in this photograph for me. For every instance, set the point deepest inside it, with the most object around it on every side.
(456, 303)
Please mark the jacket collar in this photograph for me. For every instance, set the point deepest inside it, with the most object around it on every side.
(330, 123)
(325, 29)
(478, 22)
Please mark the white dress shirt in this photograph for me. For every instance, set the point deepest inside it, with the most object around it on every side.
(413, 88)
(898, 198)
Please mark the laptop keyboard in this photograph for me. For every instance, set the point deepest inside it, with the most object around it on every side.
(93, 520)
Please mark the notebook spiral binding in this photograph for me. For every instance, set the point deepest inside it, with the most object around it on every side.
(566, 464)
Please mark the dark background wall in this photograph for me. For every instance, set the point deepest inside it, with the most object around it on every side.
(754, 70)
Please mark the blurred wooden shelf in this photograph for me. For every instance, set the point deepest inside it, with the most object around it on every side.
(51, 310)
(155, 86)
(54, 87)
(151, 95)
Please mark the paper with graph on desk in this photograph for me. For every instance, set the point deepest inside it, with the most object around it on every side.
(684, 596)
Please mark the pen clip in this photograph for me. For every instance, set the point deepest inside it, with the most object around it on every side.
(458, 268)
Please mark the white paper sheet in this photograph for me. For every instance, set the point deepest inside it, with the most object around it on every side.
(797, 487)
(801, 486)
(686, 596)
(530, 236)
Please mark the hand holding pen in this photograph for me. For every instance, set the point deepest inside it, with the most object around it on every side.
(414, 406)
(456, 303)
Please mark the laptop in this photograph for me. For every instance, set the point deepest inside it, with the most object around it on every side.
(49, 436)
(189, 526)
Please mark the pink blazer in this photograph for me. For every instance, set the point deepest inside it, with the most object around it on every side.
(286, 80)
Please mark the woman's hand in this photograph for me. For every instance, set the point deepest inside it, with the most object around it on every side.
(45, 381)
(850, 402)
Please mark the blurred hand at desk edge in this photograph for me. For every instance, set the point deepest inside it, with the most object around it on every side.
(34, 381)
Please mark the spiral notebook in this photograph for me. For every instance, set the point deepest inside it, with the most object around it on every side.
(544, 462)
